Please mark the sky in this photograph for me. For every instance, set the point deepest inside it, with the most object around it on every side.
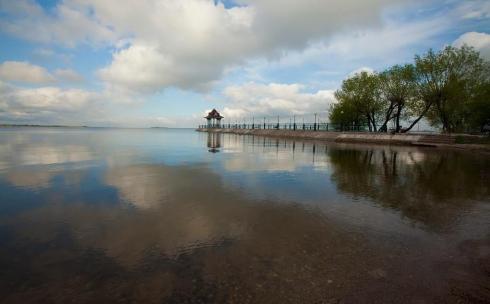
(144, 63)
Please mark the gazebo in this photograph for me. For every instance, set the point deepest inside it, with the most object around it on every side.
(214, 119)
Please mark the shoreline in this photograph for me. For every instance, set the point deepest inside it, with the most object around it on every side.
(421, 140)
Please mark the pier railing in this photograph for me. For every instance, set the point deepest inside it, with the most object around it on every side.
(291, 126)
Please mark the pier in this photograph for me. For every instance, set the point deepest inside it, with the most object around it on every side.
(338, 133)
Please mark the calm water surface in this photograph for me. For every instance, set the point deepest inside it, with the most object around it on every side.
(177, 216)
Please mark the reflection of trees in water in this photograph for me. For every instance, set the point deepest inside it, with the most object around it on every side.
(192, 239)
(432, 188)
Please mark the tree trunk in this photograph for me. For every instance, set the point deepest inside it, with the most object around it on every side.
(398, 114)
(384, 126)
(446, 128)
(373, 121)
(427, 107)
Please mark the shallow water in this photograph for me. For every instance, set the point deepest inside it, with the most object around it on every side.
(177, 216)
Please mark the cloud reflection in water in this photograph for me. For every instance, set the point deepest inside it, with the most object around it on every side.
(332, 221)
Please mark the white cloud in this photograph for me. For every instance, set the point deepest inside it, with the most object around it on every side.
(25, 72)
(254, 99)
(388, 43)
(52, 98)
(187, 44)
(480, 41)
(68, 75)
(192, 44)
(361, 70)
(54, 105)
(69, 23)
(22, 71)
(475, 9)
(189, 50)
(294, 24)
(49, 55)
(143, 68)
(199, 40)
(46, 104)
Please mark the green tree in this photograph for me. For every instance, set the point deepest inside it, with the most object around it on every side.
(346, 115)
(397, 86)
(359, 96)
(478, 110)
(450, 88)
(446, 83)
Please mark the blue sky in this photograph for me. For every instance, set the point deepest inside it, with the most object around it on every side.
(165, 62)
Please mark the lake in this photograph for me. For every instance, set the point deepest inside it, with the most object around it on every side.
(178, 216)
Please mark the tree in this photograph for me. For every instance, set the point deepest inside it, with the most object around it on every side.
(359, 96)
(450, 88)
(346, 115)
(397, 86)
(446, 83)
(478, 110)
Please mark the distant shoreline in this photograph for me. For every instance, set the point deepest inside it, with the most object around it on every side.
(76, 127)
(41, 126)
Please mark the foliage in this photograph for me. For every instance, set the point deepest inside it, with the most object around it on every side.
(345, 114)
(448, 82)
(477, 112)
(450, 88)
(360, 96)
(398, 87)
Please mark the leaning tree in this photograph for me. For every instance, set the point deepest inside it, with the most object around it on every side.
(446, 83)
(397, 86)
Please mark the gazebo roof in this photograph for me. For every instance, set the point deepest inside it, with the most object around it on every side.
(214, 114)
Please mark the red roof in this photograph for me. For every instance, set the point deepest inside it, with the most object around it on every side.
(214, 114)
